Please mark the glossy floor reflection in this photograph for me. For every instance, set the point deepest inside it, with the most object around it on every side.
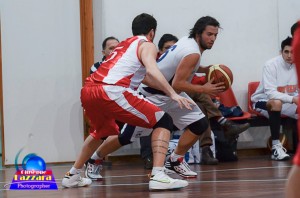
(248, 177)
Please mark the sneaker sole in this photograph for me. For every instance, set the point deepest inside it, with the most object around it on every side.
(158, 186)
(73, 186)
(283, 159)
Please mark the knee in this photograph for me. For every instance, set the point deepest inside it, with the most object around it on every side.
(165, 121)
(274, 105)
(126, 134)
(199, 127)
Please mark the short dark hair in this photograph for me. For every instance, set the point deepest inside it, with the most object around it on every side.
(201, 24)
(143, 24)
(286, 42)
(165, 38)
(108, 38)
(293, 28)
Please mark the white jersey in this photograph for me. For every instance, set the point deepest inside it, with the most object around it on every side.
(169, 61)
(122, 67)
(279, 82)
(167, 64)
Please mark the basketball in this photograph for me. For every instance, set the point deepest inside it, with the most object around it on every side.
(220, 73)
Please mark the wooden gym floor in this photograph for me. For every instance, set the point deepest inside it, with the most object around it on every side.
(255, 176)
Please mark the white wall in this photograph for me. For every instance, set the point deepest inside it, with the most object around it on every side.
(251, 33)
(41, 64)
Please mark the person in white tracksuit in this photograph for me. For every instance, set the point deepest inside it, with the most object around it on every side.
(277, 94)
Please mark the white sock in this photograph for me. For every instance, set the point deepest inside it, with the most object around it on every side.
(74, 171)
(274, 142)
(222, 120)
(174, 157)
(155, 170)
(95, 156)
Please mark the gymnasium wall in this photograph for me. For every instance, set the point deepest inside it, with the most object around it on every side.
(41, 66)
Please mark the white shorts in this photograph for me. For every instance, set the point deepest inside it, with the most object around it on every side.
(181, 117)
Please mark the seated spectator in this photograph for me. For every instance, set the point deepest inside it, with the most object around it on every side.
(277, 94)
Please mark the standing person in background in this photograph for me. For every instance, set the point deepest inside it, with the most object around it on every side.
(292, 189)
(164, 43)
(277, 95)
(110, 94)
(108, 45)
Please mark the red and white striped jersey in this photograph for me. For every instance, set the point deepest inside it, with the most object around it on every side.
(122, 67)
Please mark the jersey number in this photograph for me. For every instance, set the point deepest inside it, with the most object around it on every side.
(166, 52)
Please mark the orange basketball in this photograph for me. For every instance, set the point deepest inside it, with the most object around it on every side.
(220, 73)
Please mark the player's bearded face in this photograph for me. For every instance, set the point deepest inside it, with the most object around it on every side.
(208, 37)
(204, 44)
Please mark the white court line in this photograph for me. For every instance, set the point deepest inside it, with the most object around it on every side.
(241, 169)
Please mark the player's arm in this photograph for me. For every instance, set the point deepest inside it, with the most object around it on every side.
(183, 73)
(154, 78)
(203, 69)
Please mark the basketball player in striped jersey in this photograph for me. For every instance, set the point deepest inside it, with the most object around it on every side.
(110, 94)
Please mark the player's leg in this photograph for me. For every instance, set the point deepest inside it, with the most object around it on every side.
(195, 124)
(72, 177)
(159, 180)
(111, 144)
(95, 162)
(189, 137)
(102, 125)
(292, 185)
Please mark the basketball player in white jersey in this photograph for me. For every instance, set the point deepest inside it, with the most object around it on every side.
(110, 94)
(178, 64)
